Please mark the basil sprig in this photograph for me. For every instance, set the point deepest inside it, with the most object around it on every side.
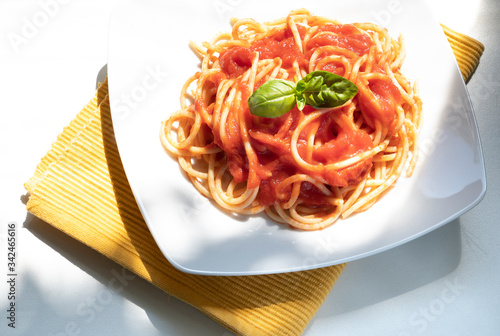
(319, 89)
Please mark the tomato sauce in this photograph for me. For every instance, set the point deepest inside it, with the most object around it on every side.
(383, 108)
(343, 36)
(236, 61)
(271, 137)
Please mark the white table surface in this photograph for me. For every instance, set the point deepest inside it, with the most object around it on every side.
(51, 52)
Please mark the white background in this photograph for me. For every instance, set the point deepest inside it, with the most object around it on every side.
(51, 53)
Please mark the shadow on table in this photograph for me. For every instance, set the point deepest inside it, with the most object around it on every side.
(169, 315)
(397, 271)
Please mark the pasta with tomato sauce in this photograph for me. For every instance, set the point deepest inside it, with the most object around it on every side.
(310, 166)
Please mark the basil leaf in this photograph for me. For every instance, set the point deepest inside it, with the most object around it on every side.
(322, 89)
(301, 102)
(272, 99)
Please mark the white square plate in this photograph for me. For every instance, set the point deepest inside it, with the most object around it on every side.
(149, 60)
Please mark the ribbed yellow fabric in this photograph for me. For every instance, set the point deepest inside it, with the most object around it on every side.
(467, 51)
(80, 188)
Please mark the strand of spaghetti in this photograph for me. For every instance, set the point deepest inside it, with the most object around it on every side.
(208, 60)
(218, 192)
(226, 108)
(401, 54)
(343, 120)
(273, 215)
(301, 12)
(221, 46)
(363, 88)
(407, 97)
(312, 216)
(222, 36)
(322, 219)
(188, 168)
(283, 74)
(357, 158)
(383, 158)
(200, 104)
(335, 59)
(295, 32)
(354, 195)
(416, 147)
(301, 223)
(368, 197)
(378, 47)
(370, 60)
(285, 127)
(380, 168)
(183, 96)
(256, 26)
(223, 88)
(228, 196)
(368, 205)
(355, 69)
(277, 71)
(332, 50)
(417, 109)
(168, 142)
(230, 189)
(295, 136)
(202, 188)
(251, 74)
(375, 182)
(225, 40)
(308, 35)
(272, 67)
(184, 121)
(321, 20)
(400, 113)
(382, 36)
(298, 72)
(377, 135)
(302, 178)
(198, 49)
(193, 132)
(349, 115)
(402, 155)
(310, 141)
(294, 196)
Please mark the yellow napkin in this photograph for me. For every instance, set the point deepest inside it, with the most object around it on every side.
(467, 51)
(80, 188)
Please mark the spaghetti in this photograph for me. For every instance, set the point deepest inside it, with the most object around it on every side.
(306, 168)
